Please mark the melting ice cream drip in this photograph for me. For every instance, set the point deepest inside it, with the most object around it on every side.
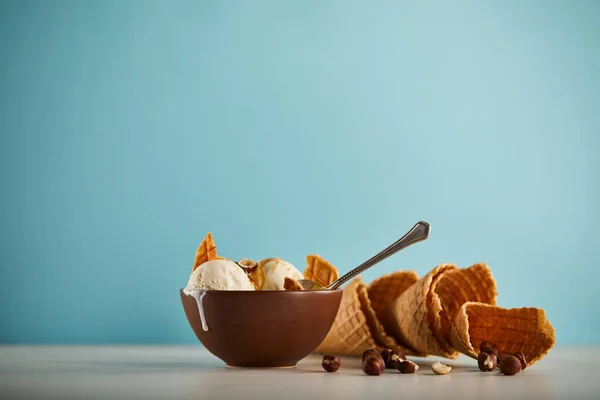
(198, 294)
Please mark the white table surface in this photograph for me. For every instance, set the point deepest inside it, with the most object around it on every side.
(179, 372)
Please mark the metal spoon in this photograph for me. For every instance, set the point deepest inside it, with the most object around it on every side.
(418, 233)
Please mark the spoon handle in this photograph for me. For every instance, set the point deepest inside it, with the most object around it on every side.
(418, 233)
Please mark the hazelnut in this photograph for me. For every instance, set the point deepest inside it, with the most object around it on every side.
(385, 354)
(521, 358)
(330, 363)
(499, 358)
(487, 362)
(440, 369)
(407, 367)
(368, 353)
(248, 265)
(395, 359)
(510, 365)
(392, 358)
(488, 347)
(373, 365)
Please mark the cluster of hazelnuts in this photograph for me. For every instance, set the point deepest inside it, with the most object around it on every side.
(374, 363)
(489, 358)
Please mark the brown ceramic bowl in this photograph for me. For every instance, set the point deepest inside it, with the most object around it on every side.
(263, 328)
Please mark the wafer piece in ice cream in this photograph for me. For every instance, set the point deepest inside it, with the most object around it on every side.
(320, 270)
(206, 251)
(291, 284)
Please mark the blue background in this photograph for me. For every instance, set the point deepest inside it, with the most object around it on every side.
(130, 129)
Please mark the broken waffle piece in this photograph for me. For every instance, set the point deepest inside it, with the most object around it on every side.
(525, 330)
(206, 251)
(320, 270)
(291, 284)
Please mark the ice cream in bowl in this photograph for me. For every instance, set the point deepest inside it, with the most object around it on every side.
(255, 314)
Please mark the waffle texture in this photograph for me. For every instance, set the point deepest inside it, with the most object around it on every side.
(457, 287)
(376, 327)
(512, 329)
(447, 312)
(408, 317)
(320, 270)
(206, 251)
(350, 333)
(385, 289)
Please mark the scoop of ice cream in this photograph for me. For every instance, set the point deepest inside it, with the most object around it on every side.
(271, 273)
(220, 275)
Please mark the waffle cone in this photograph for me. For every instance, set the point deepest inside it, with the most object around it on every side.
(206, 251)
(411, 317)
(512, 329)
(475, 284)
(320, 270)
(350, 333)
(385, 289)
(375, 326)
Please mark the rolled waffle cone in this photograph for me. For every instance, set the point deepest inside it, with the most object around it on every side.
(411, 317)
(457, 287)
(450, 292)
(385, 289)
(206, 251)
(320, 270)
(350, 333)
(377, 330)
(512, 329)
